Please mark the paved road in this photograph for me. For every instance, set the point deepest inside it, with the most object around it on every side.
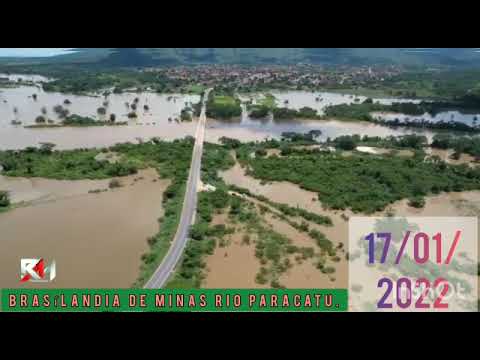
(187, 218)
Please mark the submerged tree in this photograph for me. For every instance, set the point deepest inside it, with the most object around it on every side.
(4, 199)
(40, 119)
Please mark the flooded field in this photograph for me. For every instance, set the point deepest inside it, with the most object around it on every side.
(446, 155)
(319, 100)
(445, 116)
(25, 77)
(160, 107)
(158, 119)
(96, 239)
(446, 204)
(246, 129)
(19, 104)
(234, 265)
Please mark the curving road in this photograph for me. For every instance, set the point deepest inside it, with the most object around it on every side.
(187, 217)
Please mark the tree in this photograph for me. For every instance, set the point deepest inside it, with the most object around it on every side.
(40, 119)
(46, 147)
(114, 183)
(61, 111)
(345, 142)
(101, 111)
(4, 199)
(198, 231)
(417, 202)
(113, 117)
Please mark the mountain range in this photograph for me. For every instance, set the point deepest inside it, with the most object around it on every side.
(126, 57)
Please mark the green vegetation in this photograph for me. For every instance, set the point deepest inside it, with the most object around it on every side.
(83, 81)
(263, 108)
(65, 165)
(417, 202)
(286, 209)
(4, 200)
(268, 100)
(171, 159)
(194, 89)
(203, 236)
(303, 113)
(223, 106)
(186, 115)
(363, 112)
(364, 183)
(259, 112)
(460, 144)
(350, 142)
(77, 120)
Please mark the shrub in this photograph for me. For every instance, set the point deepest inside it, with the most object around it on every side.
(40, 119)
(114, 183)
(4, 199)
(417, 202)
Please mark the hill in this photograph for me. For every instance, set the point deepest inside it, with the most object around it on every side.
(126, 57)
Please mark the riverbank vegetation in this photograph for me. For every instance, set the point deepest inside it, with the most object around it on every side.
(303, 113)
(204, 237)
(350, 142)
(272, 249)
(75, 120)
(363, 182)
(460, 144)
(171, 159)
(365, 110)
(4, 200)
(81, 79)
(223, 106)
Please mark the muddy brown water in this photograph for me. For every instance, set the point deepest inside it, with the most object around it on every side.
(19, 104)
(232, 266)
(306, 275)
(96, 239)
(445, 155)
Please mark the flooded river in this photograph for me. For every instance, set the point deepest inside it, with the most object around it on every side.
(20, 105)
(306, 275)
(445, 116)
(248, 129)
(96, 239)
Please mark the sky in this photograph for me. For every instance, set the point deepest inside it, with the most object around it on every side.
(32, 52)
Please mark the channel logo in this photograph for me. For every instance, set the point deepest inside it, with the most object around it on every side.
(35, 270)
